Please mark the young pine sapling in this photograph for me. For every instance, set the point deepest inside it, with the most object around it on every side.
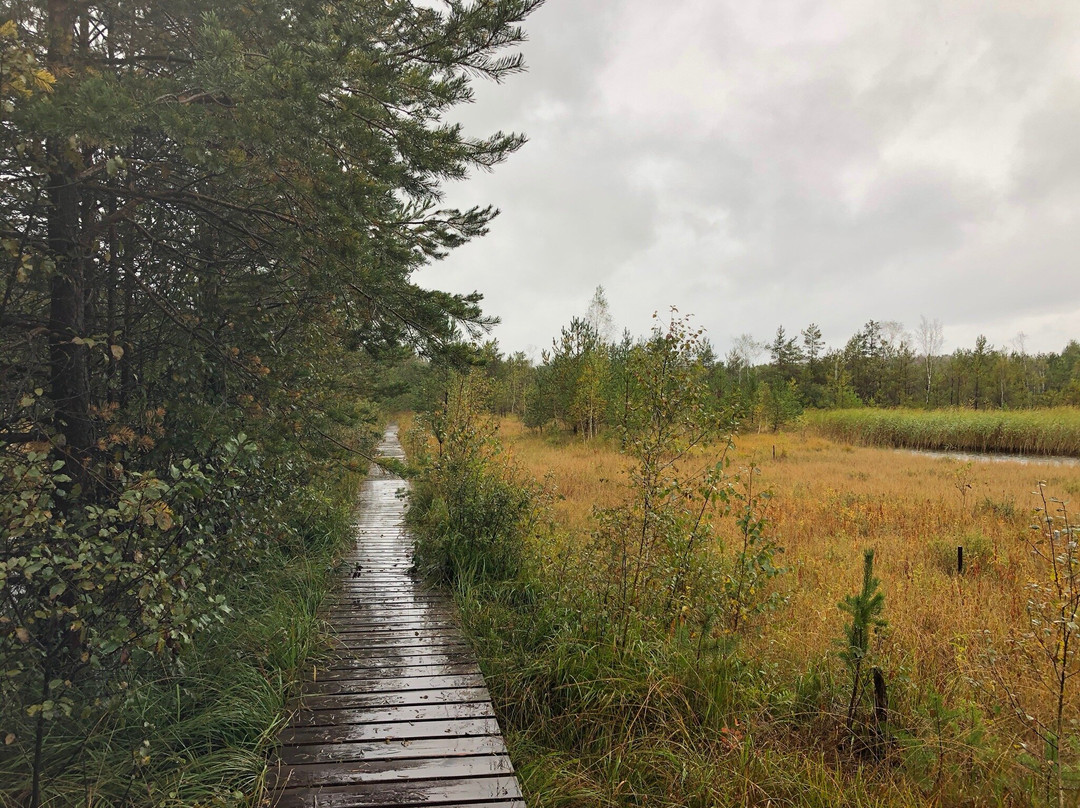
(865, 609)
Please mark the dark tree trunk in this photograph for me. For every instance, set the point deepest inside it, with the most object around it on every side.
(69, 357)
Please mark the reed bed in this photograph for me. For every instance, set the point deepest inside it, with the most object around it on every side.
(1028, 432)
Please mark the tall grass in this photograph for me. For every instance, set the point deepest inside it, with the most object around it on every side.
(1031, 432)
(655, 724)
(198, 731)
(649, 722)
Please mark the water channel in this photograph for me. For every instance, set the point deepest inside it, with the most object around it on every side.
(998, 457)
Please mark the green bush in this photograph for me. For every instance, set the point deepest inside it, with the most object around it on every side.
(148, 642)
(470, 508)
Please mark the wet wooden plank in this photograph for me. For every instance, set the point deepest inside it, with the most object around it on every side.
(404, 646)
(387, 684)
(345, 733)
(397, 698)
(390, 771)
(441, 674)
(401, 606)
(448, 664)
(418, 792)
(377, 639)
(308, 717)
(392, 750)
(386, 616)
(390, 634)
(394, 622)
(486, 804)
(391, 603)
(375, 662)
(384, 631)
(402, 652)
(418, 599)
(375, 593)
(356, 638)
(399, 715)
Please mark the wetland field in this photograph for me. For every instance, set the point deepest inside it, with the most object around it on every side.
(599, 721)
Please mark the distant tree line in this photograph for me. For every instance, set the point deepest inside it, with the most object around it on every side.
(579, 384)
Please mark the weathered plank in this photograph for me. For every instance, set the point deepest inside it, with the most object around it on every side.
(396, 698)
(384, 684)
(344, 733)
(392, 771)
(407, 605)
(391, 715)
(407, 793)
(392, 622)
(399, 639)
(405, 652)
(400, 716)
(414, 666)
(391, 750)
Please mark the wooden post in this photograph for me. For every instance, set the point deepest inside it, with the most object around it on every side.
(959, 560)
(881, 710)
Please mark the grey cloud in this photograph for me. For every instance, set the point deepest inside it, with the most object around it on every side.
(786, 162)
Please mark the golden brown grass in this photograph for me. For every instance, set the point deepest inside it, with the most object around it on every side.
(831, 501)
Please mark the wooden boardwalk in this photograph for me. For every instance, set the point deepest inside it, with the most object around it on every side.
(402, 716)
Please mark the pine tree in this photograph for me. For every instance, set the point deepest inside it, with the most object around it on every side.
(864, 608)
(204, 176)
(211, 217)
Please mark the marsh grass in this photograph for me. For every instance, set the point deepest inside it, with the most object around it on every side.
(593, 727)
(650, 723)
(1054, 431)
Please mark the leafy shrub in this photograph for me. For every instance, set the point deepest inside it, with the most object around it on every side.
(111, 608)
(196, 731)
(470, 507)
(86, 586)
(659, 555)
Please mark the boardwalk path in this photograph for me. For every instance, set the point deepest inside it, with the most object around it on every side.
(402, 717)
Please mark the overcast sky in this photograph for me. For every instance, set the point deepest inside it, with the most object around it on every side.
(782, 162)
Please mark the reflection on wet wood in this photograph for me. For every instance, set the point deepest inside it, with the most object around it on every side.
(389, 683)
(349, 733)
(401, 715)
(391, 750)
(373, 771)
(475, 792)
(460, 695)
(388, 715)
(429, 665)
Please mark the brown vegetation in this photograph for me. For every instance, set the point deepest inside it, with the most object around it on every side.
(832, 501)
